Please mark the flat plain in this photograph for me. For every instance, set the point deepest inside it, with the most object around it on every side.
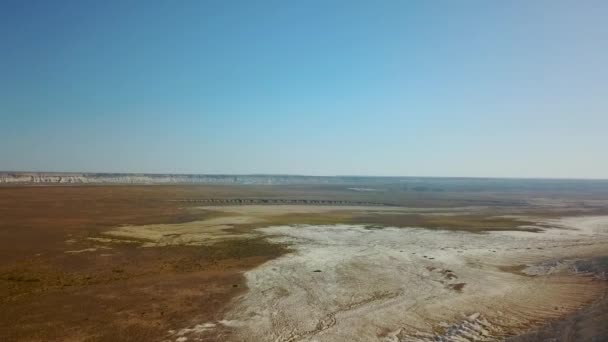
(361, 262)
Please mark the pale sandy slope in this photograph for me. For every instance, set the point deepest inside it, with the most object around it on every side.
(351, 283)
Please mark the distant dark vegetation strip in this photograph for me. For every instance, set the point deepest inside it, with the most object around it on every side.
(274, 201)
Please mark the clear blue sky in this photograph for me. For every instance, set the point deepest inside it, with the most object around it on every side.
(423, 88)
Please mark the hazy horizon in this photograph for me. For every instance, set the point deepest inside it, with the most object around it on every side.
(305, 175)
(391, 88)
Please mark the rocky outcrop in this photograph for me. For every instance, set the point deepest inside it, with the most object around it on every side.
(130, 178)
(355, 183)
(95, 178)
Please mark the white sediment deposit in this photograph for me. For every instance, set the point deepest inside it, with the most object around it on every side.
(353, 283)
(126, 178)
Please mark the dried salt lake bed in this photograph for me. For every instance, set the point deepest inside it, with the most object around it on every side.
(365, 283)
(185, 263)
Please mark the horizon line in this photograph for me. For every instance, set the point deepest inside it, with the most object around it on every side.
(303, 175)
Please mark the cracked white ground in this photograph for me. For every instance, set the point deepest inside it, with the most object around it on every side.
(355, 283)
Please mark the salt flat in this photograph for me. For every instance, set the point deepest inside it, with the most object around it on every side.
(358, 283)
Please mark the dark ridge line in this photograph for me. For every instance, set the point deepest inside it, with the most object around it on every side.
(269, 201)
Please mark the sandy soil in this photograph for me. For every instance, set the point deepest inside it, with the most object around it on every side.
(179, 234)
(239, 222)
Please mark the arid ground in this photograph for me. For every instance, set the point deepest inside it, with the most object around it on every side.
(301, 263)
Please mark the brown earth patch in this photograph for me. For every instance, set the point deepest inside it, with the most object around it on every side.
(109, 291)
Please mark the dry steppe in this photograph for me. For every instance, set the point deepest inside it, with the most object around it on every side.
(300, 262)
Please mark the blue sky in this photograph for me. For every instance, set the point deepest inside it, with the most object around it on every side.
(418, 88)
